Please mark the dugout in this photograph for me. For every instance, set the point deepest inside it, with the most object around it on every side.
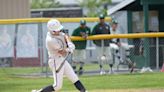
(145, 16)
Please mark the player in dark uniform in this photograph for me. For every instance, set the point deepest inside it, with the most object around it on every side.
(102, 46)
(79, 55)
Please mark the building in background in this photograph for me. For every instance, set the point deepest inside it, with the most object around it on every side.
(13, 9)
(144, 16)
(57, 12)
(69, 8)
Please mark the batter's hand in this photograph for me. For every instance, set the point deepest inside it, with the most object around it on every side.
(62, 52)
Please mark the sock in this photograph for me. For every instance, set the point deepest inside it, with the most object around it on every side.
(49, 88)
(111, 65)
(80, 70)
(101, 66)
(79, 86)
(74, 68)
(81, 66)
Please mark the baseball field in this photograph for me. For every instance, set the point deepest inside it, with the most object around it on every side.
(11, 80)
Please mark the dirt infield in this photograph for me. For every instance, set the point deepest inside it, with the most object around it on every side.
(130, 90)
(125, 90)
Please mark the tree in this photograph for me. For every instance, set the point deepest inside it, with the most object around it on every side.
(38, 4)
(94, 7)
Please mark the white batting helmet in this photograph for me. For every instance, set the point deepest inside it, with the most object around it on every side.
(54, 25)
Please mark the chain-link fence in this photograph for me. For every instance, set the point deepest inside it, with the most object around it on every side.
(23, 45)
(145, 52)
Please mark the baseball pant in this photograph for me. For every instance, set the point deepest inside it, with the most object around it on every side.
(65, 70)
(104, 51)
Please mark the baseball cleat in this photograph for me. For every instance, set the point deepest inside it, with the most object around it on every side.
(35, 91)
(102, 72)
(112, 72)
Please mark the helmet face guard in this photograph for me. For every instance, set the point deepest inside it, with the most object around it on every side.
(54, 25)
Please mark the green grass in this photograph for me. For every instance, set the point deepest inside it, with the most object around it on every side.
(90, 67)
(10, 82)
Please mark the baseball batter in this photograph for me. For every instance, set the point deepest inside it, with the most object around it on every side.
(59, 46)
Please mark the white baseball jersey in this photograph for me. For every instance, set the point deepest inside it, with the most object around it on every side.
(54, 44)
(114, 32)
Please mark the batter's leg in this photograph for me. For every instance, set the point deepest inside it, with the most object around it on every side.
(49, 88)
(58, 77)
(68, 71)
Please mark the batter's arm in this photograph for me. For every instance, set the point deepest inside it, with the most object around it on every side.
(70, 46)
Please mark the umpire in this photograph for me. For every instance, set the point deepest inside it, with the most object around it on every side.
(102, 46)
